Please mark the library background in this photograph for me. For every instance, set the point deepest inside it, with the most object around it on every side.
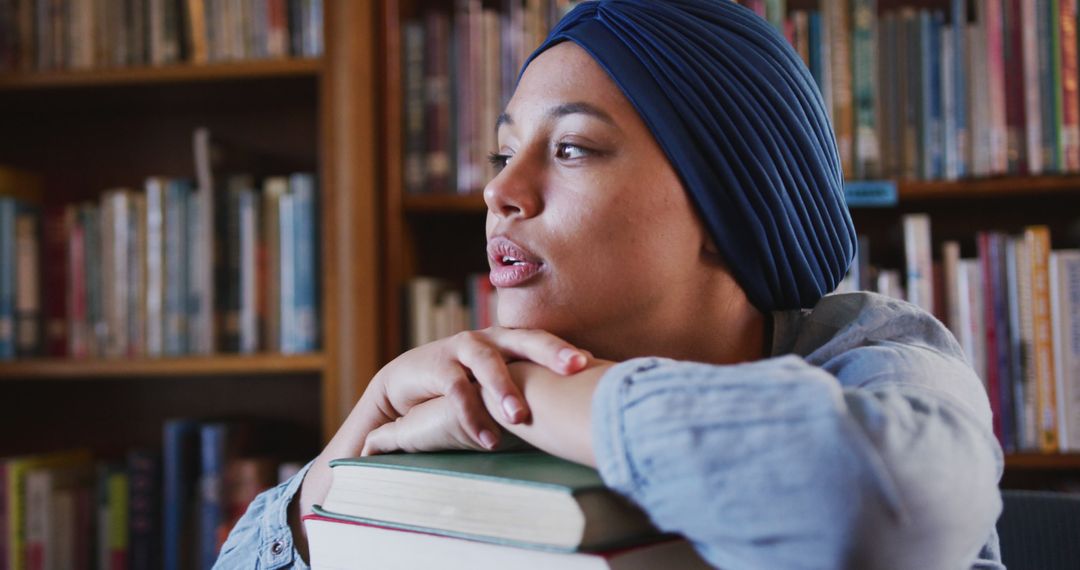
(218, 219)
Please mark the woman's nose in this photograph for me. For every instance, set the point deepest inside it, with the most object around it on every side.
(514, 191)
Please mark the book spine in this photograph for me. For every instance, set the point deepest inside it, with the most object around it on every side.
(38, 496)
(1038, 244)
(919, 261)
(1001, 293)
(1065, 307)
(176, 279)
(287, 277)
(1025, 397)
(1054, 80)
(7, 278)
(1070, 113)
(961, 80)
(155, 265)
(1014, 262)
(231, 330)
(995, 62)
(200, 260)
(56, 226)
(950, 266)
(145, 530)
(213, 439)
(948, 104)
(136, 273)
(1032, 86)
(305, 259)
(837, 12)
(987, 253)
(1015, 118)
(273, 189)
(77, 322)
(438, 107)
(249, 318)
(911, 97)
(865, 78)
(179, 469)
(94, 286)
(973, 339)
(27, 283)
(118, 507)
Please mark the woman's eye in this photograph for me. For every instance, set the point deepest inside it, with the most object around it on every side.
(498, 160)
(567, 151)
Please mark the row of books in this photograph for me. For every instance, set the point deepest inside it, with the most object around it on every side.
(977, 89)
(42, 35)
(1014, 307)
(912, 93)
(476, 511)
(436, 310)
(170, 508)
(168, 271)
(459, 68)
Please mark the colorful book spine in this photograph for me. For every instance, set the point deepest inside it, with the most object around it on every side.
(1015, 115)
(838, 14)
(918, 261)
(1070, 93)
(7, 278)
(989, 246)
(213, 445)
(995, 70)
(1037, 239)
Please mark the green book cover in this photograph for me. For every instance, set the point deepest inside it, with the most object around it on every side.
(518, 467)
(523, 498)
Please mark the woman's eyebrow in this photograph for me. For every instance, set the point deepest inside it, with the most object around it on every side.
(563, 110)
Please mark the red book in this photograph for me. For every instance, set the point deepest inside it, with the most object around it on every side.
(54, 261)
(1015, 117)
(986, 254)
(1070, 112)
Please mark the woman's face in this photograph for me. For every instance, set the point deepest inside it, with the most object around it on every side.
(590, 233)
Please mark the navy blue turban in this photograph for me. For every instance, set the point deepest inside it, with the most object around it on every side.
(742, 123)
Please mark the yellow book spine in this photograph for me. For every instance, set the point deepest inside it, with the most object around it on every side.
(1037, 239)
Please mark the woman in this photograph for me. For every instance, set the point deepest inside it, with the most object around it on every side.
(666, 222)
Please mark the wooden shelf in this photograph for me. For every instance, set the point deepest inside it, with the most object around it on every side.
(1006, 187)
(162, 367)
(1003, 187)
(177, 73)
(445, 203)
(1042, 462)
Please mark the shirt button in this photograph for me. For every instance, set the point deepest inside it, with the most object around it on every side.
(277, 548)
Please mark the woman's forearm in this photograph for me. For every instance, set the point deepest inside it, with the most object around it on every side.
(560, 410)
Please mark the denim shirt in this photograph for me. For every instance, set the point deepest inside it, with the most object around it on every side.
(864, 441)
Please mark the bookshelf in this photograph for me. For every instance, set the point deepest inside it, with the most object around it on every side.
(440, 234)
(89, 130)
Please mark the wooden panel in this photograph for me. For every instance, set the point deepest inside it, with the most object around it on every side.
(187, 73)
(351, 211)
(151, 368)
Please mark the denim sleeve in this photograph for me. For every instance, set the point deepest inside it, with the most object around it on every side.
(780, 464)
(262, 539)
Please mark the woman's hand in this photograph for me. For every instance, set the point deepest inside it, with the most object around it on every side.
(429, 426)
(444, 368)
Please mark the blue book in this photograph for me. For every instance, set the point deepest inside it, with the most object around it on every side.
(180, 468)
(177, 257)
(213, 440)
(302, 186)
(7, 278)
(960, 84)
(936, 154)
(814, 27)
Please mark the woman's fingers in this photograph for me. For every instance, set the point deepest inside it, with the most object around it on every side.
(488, 366)
(472, 416)
(540, 347)
(431, 426)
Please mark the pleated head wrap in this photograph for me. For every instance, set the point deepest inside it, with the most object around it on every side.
(741, 121)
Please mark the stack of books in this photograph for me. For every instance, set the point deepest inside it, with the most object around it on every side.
(483, 510)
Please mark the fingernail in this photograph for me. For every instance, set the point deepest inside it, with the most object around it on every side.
(512, 407)
(487, 439)
(571, 357)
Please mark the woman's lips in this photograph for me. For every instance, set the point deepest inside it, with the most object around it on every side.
(511, 264)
